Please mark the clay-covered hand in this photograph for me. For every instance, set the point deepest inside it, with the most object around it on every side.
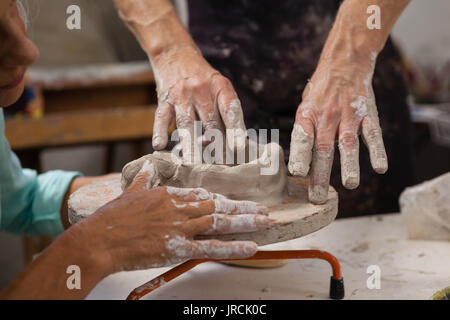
(338, 103)
(152, 227)
(190, 89)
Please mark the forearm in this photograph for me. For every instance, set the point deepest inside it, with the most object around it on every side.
(350, 39)
(46, 277)
(155, 24)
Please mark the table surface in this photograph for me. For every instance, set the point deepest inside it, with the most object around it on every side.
(409, 269)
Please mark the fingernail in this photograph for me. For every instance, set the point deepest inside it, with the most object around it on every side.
(298, 169)
(349, 162)
(381, 165)
(351, 181)
(317, 194)
(246, 249)
(262, 209)
(157, 142)
(301, 152)
(263, 222)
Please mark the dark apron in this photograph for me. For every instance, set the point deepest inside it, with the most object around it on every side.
(269, 49)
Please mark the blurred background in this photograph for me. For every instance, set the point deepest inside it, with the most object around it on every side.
(119, 99)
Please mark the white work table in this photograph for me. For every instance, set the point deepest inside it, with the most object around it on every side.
(410, 269)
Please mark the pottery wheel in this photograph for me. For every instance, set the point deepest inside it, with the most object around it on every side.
(294, 217)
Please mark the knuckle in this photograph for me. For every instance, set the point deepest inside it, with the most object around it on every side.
(306, 111)
(347, 139)
(211, 124)
(184, 121)
(223, 82)
(198, 85)
(162, 113)
(323, 146)
(195, 84)
(332, 113)
(178, 90)
(372, 134)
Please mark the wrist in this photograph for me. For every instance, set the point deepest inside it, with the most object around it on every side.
(350, 39)
(173, 52)
(352, 51)
(83, 249)
(47, 276)
(162, 36)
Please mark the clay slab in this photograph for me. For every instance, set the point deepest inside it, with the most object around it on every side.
(293, 218)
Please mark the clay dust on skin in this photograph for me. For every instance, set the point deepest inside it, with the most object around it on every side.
(236, 131)
(349, 154)
(185, 123)
(371, 129)
(234, 111)
(320, 175)
(221, 203)
(364, 107)
(230, 216)
(178, 206)
(190, 193)
(227, 206)
(182, 249)
(361, 103)
(223, 223)
(149, 168)
(301, 151)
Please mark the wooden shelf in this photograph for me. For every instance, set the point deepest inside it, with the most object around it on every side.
(79, 127)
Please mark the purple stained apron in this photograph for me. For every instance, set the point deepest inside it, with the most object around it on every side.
(269, 49)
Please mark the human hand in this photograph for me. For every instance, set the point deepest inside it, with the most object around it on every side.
(145, 228)
(338, 103)
(190, 89)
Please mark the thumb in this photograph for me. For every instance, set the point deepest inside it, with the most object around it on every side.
(145, 178)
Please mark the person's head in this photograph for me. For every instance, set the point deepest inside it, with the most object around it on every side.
(17, 52)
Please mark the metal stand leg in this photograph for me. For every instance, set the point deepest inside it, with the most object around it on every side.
(336, 284)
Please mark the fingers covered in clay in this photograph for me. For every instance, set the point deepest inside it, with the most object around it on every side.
(163, 117)
(217, 202)
(349, 154)
(185, 249)
(190, 89)
(185, 118)
(302, 142)
(338, 103)
(215, 224)
(231, 112)
(206, 108)
(322, 162)
(154, 227)
(373, 139)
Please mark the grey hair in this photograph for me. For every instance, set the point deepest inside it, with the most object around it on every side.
(23, 12)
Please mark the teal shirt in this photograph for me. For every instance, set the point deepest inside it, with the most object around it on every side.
(29, 203)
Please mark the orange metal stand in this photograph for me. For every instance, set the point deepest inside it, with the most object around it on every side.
(336, 284)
